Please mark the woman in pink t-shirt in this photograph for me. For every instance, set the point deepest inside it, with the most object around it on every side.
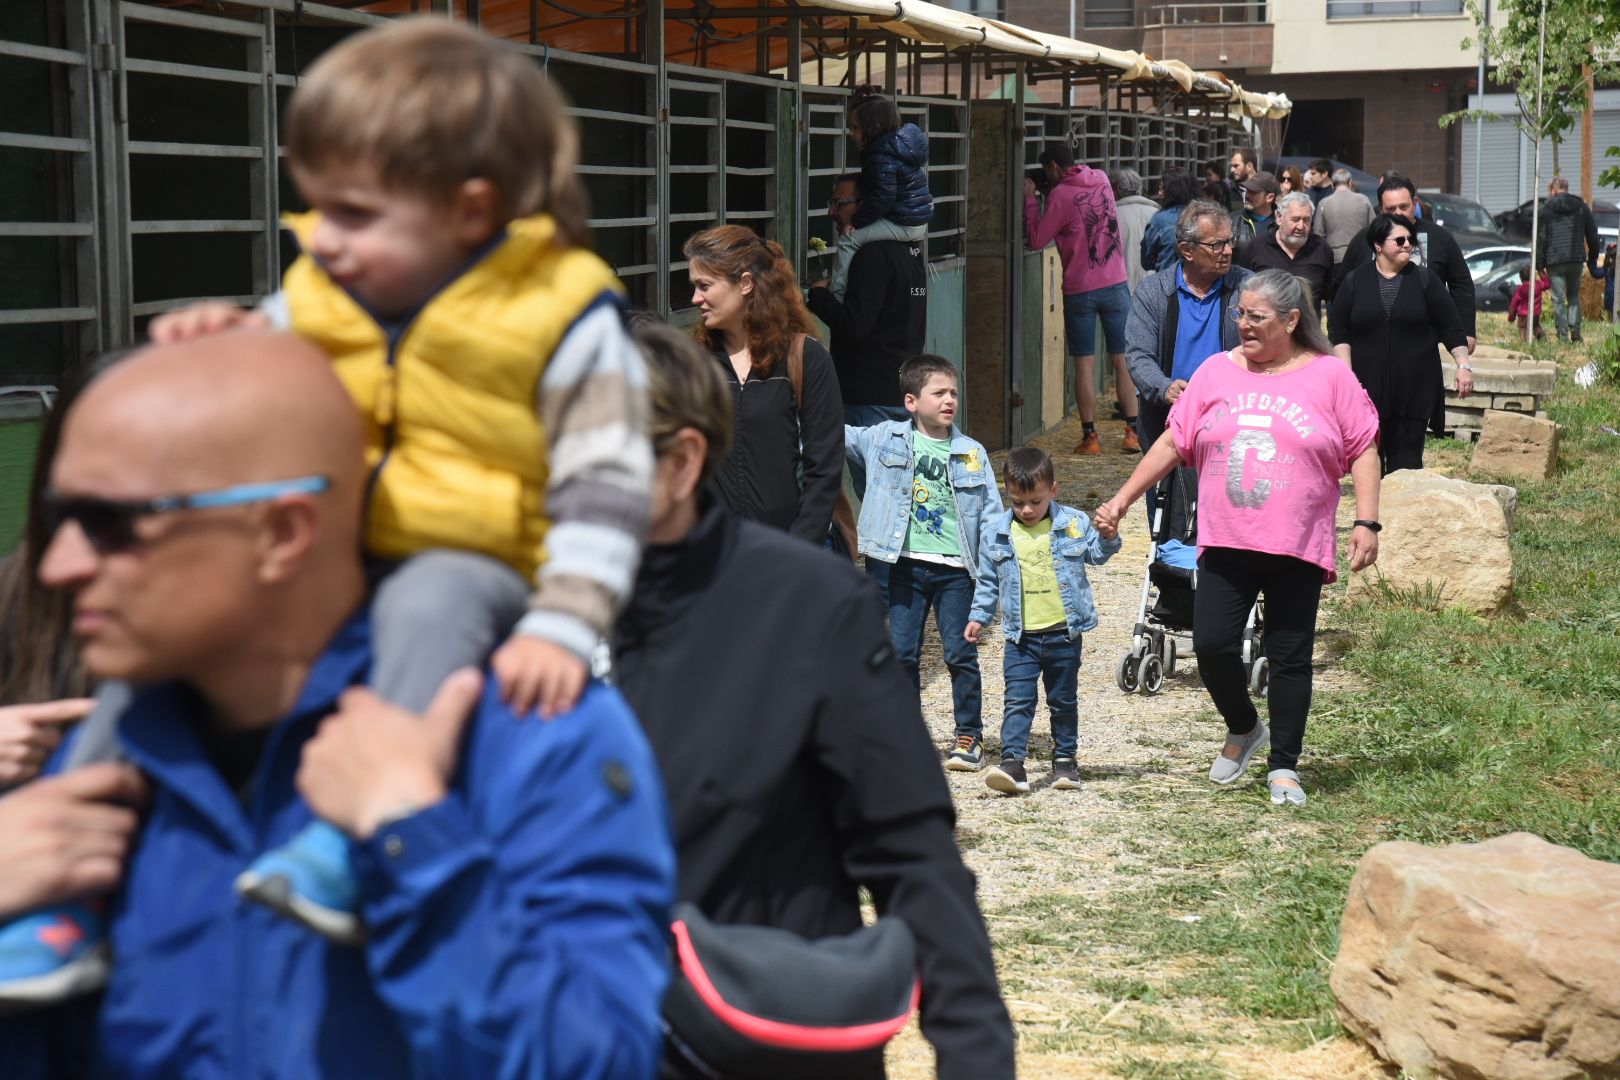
(1271, 427)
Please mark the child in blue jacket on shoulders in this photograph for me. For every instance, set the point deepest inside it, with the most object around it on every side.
(1033, 558)
(895, 201)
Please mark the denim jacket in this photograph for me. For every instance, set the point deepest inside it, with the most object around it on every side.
(1074, 544)
(886, 453)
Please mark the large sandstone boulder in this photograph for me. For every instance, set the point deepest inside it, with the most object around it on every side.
(1498, 960)
(1512, 444)
(1447, 534)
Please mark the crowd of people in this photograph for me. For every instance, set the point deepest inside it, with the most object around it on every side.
(310, 767)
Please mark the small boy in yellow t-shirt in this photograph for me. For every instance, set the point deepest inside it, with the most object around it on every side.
(1033, 559)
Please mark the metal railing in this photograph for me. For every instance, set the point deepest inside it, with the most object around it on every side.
(1204, 12)
(1392, 9)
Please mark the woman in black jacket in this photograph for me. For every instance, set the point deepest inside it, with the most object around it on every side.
(796, 763)
(787, 459)
(1386, 321)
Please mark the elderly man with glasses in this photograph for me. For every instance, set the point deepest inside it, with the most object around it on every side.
(881, 322)
(1181, 317)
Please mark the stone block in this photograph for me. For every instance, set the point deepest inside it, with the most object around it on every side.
(1500, 372)
(1456, 417)
(1495, 959)
(1513, 444)
(1447, 534)
(1523, 403)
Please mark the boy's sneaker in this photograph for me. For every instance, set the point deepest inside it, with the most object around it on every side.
(966, 756)
(1065, 773)
(310, 880)
(50, 956)
(1090, 444)
(1008, 777)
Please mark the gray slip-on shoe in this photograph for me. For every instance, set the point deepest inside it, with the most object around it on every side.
(1285, 794)
(1225, 770)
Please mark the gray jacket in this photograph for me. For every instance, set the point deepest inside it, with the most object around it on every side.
(1135, 211)
(1150, 341)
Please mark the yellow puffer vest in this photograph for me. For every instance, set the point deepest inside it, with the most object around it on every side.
(458, 453)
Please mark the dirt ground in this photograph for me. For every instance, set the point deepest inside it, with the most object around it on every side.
(1074, 847)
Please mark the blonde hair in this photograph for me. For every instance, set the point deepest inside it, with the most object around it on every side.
(431, 104)
(684, 390)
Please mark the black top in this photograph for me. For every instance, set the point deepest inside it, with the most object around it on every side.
(880, 324)
(1313, 265)
(1438, 251)
(1568, 232)
(1395, 355)
(761, 477)
(798, 767)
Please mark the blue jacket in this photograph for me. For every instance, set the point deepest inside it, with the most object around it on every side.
(517, 929)
(1074, 544)
(894, 180)
(1159, 240)
(885, 452)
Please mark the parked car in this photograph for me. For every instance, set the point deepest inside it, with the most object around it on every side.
(1482, 261)
(1495, 290)
(1467, 221)
(1515, 223)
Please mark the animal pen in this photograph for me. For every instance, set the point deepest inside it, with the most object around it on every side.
(140, 159)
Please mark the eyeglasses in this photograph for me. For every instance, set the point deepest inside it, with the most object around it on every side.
(1214, 245)
(835, 203)
(1400, 241)
(1253, 318)
(109, 524)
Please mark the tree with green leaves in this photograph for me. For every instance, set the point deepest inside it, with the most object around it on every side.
(1549, 90)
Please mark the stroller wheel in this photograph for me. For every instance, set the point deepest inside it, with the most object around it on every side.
(1150, 675)
(1259, 678)
(1167, 654)
(1126, 673)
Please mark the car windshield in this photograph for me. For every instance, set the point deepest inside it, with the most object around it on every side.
(1462, 215)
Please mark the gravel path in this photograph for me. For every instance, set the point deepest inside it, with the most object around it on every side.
(1078, 845)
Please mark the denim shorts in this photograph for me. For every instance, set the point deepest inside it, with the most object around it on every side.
(1080, 314)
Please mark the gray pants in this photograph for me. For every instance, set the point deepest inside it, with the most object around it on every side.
(881, 229)
(439, 611)
(1566, 297)
(436, 612)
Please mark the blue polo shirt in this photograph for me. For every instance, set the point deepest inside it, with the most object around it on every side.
(1198, 329)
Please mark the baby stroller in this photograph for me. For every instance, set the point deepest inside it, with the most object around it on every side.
(1164, 618)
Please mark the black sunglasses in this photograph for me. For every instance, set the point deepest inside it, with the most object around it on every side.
(1400, 241)
(109, 524)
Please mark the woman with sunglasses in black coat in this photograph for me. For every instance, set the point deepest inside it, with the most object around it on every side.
(1386, 321)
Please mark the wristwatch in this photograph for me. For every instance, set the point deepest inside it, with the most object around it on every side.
(1373, 525)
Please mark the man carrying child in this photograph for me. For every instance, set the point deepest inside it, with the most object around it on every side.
(928, 490)
(1032, 559)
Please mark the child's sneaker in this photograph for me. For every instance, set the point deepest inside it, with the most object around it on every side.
(966, 756)
(310, 880)
(50, 956)
(1008, 777)
(1065, 773)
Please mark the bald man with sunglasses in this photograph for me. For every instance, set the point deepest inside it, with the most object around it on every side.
(515, 876)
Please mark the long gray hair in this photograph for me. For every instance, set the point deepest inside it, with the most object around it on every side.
(1285, 292)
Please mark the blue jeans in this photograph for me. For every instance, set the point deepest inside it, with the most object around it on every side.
(1055, 660)
(910, 587)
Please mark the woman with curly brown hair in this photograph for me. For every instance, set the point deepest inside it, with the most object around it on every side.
(787, 454)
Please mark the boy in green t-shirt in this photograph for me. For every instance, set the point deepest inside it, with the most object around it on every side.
(1033, 557)
(927, 489)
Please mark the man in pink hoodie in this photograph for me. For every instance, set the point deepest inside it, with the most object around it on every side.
(1080, 216)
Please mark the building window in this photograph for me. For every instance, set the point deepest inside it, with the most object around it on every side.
(1108, 14)
(988, 9)
(1391, 9)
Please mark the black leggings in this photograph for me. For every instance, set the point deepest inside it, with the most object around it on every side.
(1229, 580)
(1400, 442)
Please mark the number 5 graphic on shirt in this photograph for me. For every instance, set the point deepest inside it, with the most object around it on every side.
(1265, 449)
